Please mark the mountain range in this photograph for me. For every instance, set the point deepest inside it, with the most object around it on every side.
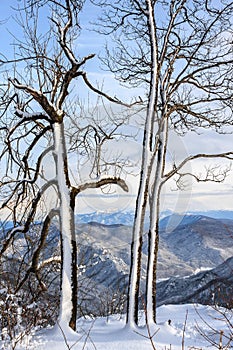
(195, 259)
(195, 262)
(126, 217)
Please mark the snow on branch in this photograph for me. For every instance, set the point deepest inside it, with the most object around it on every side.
(48, 107)
(101, 182)
(53, 259)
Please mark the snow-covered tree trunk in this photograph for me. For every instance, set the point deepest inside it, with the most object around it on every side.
(153, 235)
(153, 244)
(136, 247)
(142, 197)
(67, 315)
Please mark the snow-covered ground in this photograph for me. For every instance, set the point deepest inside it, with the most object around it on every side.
(111, 333)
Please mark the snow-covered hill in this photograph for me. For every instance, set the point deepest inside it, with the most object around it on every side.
(200, 241)
(208, 287)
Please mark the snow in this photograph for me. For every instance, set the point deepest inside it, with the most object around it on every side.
(110, 333)
(202, 269)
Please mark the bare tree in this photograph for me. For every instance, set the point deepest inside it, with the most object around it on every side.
(180, 52)
(35, 110)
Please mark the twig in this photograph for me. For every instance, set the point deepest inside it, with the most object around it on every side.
(185, 323)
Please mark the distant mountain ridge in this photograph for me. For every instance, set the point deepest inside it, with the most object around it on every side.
(127, 217)
(105, 218)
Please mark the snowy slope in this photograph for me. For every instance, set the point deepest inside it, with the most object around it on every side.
(111, 334)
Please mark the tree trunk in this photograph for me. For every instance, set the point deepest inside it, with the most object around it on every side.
(153, 245)
(136, 251)
(153, 236)
(136, 246)
(68, 302)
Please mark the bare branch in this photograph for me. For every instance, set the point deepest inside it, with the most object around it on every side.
(177, 168)
(99, 183)
(35, 257)
(101, 93)
(25, 227)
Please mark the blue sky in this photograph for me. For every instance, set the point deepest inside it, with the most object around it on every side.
(89, 42)
(197, 196)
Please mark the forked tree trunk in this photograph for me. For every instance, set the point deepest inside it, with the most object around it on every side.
(68, 302)
(142, 197)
